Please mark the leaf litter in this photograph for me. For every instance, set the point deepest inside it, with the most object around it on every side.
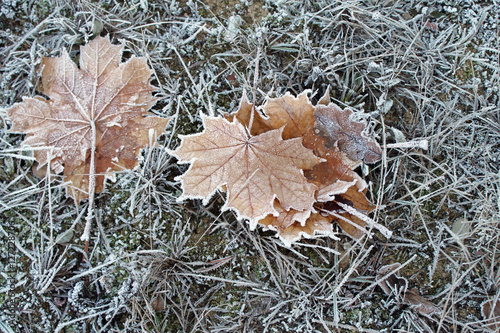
(266, 174)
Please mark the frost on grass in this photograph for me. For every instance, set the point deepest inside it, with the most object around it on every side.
(430, 68)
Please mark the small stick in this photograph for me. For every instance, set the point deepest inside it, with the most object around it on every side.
(422, 144)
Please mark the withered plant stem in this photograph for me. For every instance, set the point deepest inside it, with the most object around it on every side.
(254, 90)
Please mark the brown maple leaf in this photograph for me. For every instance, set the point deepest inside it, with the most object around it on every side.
(247, 113)
(295, 114)
(254, 169)
(337, 127)
(337, 182)
(340, 192)
(315, 224)
(95, 120)
(338, 186)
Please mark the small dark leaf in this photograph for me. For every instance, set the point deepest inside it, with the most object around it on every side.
(394, 285)
(335, 125)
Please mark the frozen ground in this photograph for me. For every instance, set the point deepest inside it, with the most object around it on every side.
(419, 69)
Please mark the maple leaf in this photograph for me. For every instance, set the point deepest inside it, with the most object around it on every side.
(248, 113)
(337, 182)
(339, 194)
(338, 186)
(292, 225)
(335, 125)
(254, 169)
(95, 120)
(294, 113)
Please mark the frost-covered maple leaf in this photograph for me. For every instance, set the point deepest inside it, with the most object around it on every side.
(254, 169)
(228, 155)
(95, 120)
(294, 113)
(291, 225)
(336, 182)
(337, 127)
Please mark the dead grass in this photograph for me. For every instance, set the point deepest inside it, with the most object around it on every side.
(420, 70)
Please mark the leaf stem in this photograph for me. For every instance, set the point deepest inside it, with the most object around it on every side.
(90, 212)
(254, 92)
